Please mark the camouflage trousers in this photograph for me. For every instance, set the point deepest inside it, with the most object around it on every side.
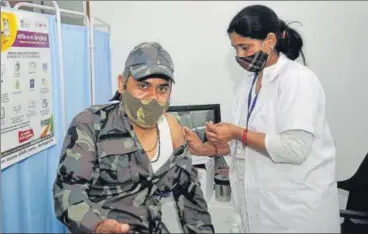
(154, 228)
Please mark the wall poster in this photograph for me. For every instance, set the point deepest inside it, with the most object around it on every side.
(26, 90)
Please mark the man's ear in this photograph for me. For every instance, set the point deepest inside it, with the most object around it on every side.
(120, 83)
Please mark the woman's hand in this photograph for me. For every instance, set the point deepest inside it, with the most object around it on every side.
(196, 146)
(220, 133)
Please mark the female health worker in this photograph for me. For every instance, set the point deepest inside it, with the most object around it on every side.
(282, 170)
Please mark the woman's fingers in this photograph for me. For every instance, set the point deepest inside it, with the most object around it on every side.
(211, 135)
(188, 132)
(213, 140)
(210, 127)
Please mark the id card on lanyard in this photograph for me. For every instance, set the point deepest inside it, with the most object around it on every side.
(251, 104)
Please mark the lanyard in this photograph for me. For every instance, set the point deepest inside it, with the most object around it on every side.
(251, 104)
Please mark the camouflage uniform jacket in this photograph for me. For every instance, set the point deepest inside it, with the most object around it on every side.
(105, 174)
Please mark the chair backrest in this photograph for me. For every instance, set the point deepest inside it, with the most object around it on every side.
(358, 188)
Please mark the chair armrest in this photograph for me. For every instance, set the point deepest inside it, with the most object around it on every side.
(352, 214)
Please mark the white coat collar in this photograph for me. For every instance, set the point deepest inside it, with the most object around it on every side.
(271, 73)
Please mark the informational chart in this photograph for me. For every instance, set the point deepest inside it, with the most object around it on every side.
(26, 89)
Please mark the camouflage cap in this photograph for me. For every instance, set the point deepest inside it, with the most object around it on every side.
(149, 58)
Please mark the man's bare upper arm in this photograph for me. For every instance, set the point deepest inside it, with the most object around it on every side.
(177, 133)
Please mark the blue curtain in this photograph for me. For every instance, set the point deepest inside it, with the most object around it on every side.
(76, 69)
(26, 187)
(102, 56)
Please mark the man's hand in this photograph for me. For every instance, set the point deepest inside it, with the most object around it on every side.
(112, 226)
(196, 146)
(220, 133)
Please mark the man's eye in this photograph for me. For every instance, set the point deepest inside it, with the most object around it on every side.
(163, 89)
(143, 86)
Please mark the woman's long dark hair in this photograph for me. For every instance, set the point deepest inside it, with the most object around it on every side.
(257, 21)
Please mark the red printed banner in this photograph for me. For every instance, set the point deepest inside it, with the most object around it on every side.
(25, 135)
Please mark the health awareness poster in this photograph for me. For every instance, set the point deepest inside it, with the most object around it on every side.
(26, 90)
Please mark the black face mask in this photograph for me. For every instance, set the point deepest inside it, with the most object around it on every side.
(253, 63)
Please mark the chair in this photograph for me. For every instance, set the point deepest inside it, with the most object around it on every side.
(356, 213)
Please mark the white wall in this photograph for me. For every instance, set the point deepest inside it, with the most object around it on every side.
(194, 33)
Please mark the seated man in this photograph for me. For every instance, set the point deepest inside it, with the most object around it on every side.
(118, 159)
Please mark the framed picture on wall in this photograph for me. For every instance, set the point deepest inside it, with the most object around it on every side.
(195, 116)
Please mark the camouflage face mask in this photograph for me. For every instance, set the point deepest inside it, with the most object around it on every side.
(144, 113)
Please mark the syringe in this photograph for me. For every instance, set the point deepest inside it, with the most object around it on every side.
(198, 128)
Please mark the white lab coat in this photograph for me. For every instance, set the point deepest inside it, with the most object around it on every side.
(271, 197)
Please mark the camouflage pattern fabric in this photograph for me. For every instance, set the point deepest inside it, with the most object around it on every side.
(104, 173)
(149, 58)
(144, 113)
